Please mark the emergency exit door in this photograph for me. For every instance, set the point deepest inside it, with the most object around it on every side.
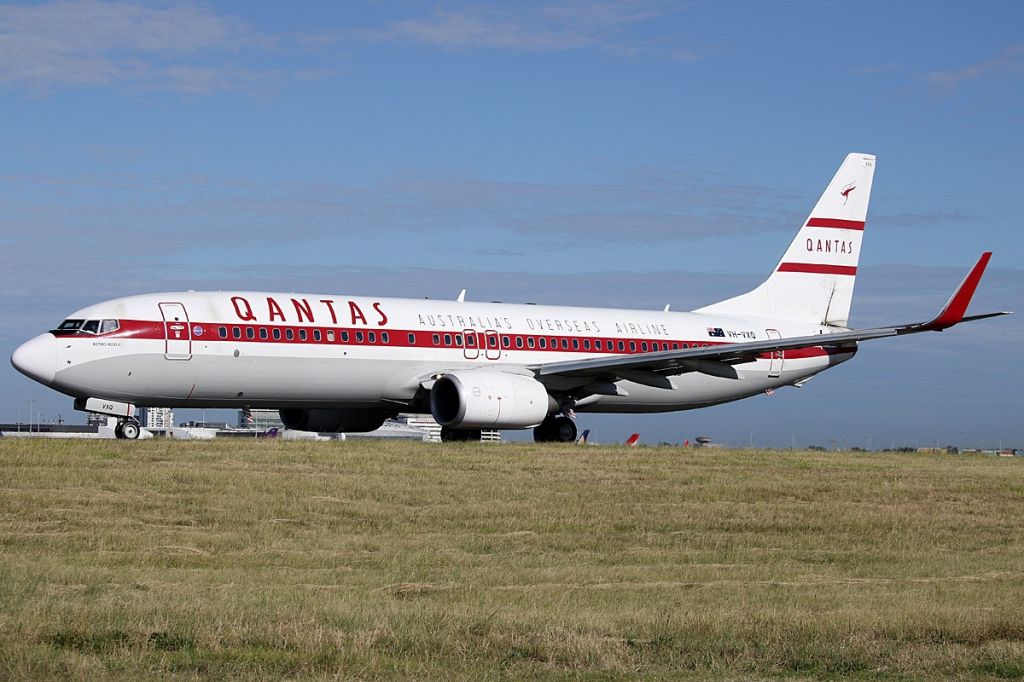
(177, 332)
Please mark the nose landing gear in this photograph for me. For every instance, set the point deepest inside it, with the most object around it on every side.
(128, 429)
(128, 426)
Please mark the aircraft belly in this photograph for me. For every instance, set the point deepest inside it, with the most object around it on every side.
(225, 380)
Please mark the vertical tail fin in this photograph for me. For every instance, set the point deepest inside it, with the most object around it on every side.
(814, 280)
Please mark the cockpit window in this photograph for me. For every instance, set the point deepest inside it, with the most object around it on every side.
(108, 326)
(70, 325)
(91, 326)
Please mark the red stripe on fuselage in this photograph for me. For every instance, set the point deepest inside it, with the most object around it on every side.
(836, 223)
(360, 336)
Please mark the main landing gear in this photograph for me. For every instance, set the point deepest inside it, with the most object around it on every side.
(449, 435)
(128, 429)
(555, 429)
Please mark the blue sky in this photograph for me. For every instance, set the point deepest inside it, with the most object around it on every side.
(600, 153)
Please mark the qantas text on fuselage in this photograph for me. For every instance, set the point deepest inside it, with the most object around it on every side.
(346, 363)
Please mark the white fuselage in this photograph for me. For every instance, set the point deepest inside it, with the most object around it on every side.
(276, 350)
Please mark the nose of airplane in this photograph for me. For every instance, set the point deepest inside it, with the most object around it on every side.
(37, 358)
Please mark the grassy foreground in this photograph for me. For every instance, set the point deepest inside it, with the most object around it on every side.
(369, 559)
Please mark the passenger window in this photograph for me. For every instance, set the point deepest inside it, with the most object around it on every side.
(250, 333)
(359, 336)
(344, 337)
(458, 340)
(289, 334)
(236, 332)
(412, 339)
(316, 335)
(575, 344)
(675, 346)
(471, 340)
(565, 344)
(263, 332)
(222, 332)
(506, 342)
(543, 342)
(643, 346)
(632, 346)
(330, 336)
(385, 338)
(108, 326)
(303, 335)
(519, 342)
(597, 344)
(447, 339)
(436, 338)
(622, 346)
(371, 337)
(686, 345)
(530, 342)
(586, 344)
(492, 341)
(277, 333)
(91, 326)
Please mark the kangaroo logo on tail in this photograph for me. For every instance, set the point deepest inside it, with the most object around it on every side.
(846, 192)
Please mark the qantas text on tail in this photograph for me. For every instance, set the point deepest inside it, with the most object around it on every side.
(346, 363)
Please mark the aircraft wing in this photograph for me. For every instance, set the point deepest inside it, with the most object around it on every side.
(718, 360)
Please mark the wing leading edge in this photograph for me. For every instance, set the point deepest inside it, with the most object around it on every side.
(718, 360)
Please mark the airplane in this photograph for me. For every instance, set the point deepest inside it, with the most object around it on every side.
(633, 440)
(338, 363)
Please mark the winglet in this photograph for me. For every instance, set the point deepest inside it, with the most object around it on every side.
(956, 306)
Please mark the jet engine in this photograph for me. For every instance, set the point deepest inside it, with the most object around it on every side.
(333, 421)
(483, 398)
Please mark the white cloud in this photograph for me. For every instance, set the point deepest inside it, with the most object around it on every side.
(91, 43)
(1009, 61)
(544, 28)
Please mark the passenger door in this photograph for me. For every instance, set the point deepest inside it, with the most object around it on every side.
(177, 332)
(778, 357)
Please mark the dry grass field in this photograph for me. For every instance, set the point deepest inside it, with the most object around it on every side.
(365, 559)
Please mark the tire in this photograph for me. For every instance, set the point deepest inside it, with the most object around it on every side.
(449, 435)
(130, 430)
(555, 430)
(119, 430)
(564, 430)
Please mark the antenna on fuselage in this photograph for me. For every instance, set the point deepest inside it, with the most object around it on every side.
(667, 306)
(462, 296)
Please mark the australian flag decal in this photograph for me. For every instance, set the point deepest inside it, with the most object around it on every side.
(716, 331)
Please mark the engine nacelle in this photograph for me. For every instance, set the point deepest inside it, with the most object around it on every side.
(484, 398)
(333, 421)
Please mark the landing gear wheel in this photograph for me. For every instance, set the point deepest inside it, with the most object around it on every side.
(119, 430)
(449, 435)
(129, 430)
(564, 430)
(555, 430)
